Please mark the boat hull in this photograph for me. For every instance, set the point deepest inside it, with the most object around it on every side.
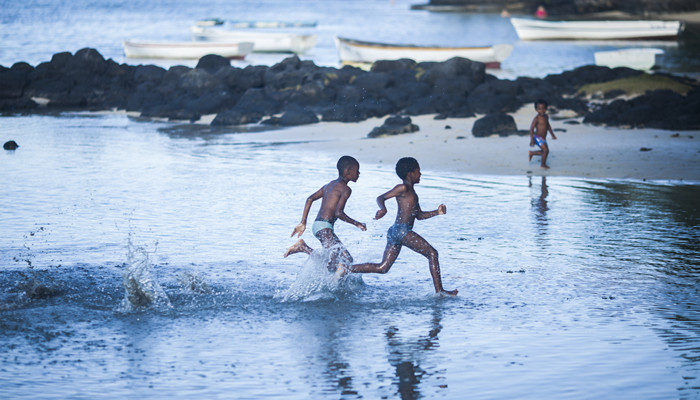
(265, 41)
(531, 29)
(637, 58)
(355, 51)
(185, 50)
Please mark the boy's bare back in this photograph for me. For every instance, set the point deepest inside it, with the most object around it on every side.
(334, 196)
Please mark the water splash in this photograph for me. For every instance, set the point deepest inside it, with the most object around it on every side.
(194, 282)
(314, 282)
(36, 284)
(141, 288)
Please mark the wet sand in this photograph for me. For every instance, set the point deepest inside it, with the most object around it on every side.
(584, 151)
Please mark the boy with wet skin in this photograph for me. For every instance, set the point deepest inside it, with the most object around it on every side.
(333, 197)
(401, 233)
(538, 133)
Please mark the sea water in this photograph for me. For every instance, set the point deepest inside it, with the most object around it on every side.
(144, 259)
(34, 30)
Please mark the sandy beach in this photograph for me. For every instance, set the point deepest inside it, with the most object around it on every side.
(580, 150)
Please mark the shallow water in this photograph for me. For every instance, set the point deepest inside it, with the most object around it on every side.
(142, 259)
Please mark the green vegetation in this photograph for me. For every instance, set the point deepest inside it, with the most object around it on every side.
(637, 85)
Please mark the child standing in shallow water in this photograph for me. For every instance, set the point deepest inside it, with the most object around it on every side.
(538, 133)
(401, 233)
(333, 197)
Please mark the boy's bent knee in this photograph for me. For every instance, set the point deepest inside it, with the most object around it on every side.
(431, 253)
(383, 268)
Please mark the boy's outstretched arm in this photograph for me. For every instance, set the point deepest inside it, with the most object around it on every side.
(441, 210)
(299, 229)
(340, 211)
(532, 132)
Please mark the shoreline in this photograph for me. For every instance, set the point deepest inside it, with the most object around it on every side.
(582, 151)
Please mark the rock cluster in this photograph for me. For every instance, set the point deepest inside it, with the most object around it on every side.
(296, 92)
(660, 109)
(574, 7)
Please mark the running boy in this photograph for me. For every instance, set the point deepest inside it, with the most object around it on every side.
(401, 233)
(333, 197)
(538, 133)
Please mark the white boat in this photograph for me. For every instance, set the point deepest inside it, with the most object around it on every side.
(357, 51)
(538, 29)
(637, 58)
(258, 24)
(185, 50)
(265, 41)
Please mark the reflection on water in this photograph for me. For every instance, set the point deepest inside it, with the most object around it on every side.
(406, 356)
(555, 275)
(539, 207)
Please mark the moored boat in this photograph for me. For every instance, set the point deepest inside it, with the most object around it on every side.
(185, 50)
(258, 24)
(538, 29)
(637, 58)
(265, 41)
(357, 51)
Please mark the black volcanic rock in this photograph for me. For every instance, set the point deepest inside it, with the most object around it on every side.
(10, 145)
(296, 92)
(394, 125)
(495, 124)
(572, 7)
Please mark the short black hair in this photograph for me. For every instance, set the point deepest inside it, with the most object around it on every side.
(541, 101)
(406, 165)
(346, 162)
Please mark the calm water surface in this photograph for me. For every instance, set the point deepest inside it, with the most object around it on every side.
(569, 288)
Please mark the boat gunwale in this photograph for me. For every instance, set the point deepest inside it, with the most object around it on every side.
(184, 44)
(542, 23)
(378, 45)
(205, 31)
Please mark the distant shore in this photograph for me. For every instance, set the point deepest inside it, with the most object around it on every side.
(582, 151)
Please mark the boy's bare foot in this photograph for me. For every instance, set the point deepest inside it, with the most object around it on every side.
(299, 247)
(529, 156)
(544, 166)
(449, 292)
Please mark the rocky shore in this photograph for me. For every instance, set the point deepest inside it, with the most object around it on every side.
(569, 8)
(296, 92)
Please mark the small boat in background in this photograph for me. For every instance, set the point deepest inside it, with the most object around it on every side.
(539, 29)
(357, 51)
(265, 41)
(210, 22)
(258, 24)
(185, 50)
(637, 58)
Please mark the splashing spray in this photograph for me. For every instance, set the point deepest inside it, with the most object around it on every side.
(314, 281)
(141, 288)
